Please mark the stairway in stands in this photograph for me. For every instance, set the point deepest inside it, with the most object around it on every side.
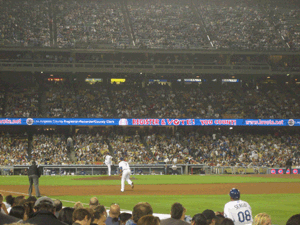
(127, 22)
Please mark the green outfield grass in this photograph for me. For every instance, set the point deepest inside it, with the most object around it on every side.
(279, 206)
(145, 179)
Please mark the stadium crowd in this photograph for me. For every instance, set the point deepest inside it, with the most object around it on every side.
(44, 210)
(192, 147)
(169, 24)
(71, 100)
(90, 22)
(240, 26)
(152, 24)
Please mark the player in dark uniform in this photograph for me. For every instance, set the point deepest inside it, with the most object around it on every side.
(34, 175)
(288, 165)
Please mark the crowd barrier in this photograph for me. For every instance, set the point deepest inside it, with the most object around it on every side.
(143, 169)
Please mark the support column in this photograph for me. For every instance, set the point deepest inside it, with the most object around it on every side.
(29, 141)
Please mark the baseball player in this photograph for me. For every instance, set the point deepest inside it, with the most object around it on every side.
(125, 174)
(108, 163)
(239, 211)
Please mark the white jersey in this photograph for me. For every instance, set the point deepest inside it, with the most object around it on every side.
(124, 165)
(108, 159)
(239, 211)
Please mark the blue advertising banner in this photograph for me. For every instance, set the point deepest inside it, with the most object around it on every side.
(149, 122)
(282, 171)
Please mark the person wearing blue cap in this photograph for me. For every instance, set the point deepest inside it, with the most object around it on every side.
(239, 211)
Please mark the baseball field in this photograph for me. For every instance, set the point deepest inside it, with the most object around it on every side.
(277, 195)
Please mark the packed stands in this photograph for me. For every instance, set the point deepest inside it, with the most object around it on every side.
(60, 101)
(94, 102)
(240, 26)
(25, 24)
(90, 22)
(153, 24)
(65, 99)
(246, 149)
(166, 24)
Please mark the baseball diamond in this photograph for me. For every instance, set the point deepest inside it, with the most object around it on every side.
(271, 194)
(167, 189)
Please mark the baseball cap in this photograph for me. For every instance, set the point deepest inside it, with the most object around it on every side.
(234, 194)
(44, 198)
(209, 214)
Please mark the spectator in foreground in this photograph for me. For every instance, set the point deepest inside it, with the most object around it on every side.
(114, 213)
(210, 216)
(124, 217)
(100, 215)
(294, 220)
(44, 213)
(199, 219)
(262, 219)
(58, 206)
(139, 210)
(78, 205)
(177, 215)
(149, 220)
(227, 221)
(29, 206)
(9, 201)
(31, 199)
(82, 217)
(18, 212)
(94, 202)
(19, 200)
(3, 206)
(7, 219)
(65, 215)
(219, 219)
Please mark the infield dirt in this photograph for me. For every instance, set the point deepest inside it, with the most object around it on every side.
(170, 189)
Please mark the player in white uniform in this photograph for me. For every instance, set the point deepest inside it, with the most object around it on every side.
(125, 173)
(108, 163)
(237, 210)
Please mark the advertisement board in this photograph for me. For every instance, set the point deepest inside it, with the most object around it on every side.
(282, 171)
(149, 122)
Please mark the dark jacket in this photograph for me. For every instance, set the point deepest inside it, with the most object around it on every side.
(44, 217)
(110, 222)
(172, 221)
(7, 219)
(34, 170)
(289, 162)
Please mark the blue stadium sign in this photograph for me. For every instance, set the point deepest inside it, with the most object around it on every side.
(149, 122)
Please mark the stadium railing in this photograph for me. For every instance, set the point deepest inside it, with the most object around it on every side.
(145, 169)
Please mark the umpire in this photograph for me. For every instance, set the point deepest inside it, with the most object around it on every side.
(288, 165)
(34, 175)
